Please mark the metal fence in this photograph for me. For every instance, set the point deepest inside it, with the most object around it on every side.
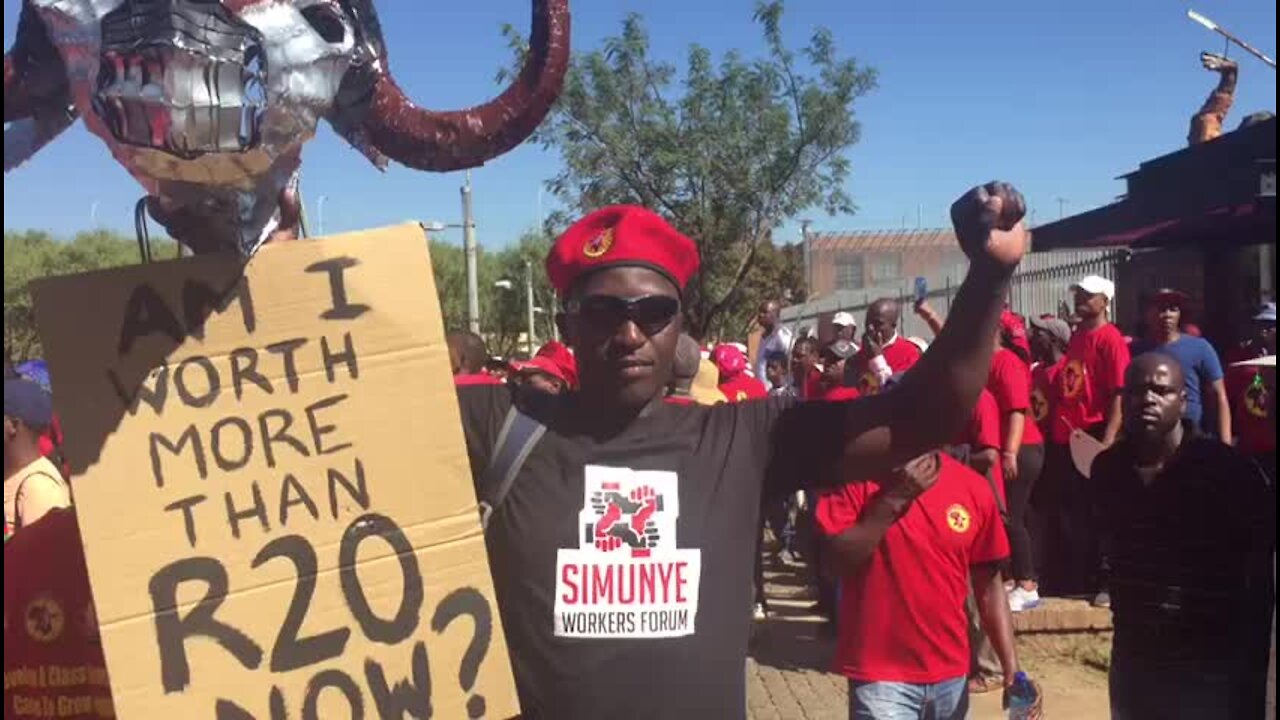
(1041, 285)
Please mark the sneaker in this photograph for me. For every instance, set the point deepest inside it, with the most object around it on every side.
(1102, 599)
(1022, 599)
(758, 613)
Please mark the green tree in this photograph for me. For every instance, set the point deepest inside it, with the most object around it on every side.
(727, 153)
(33, 254)
(501, 282)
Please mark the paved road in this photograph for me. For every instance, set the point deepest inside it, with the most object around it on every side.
(787, 678)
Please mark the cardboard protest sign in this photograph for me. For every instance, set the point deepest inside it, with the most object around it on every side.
(274, 494)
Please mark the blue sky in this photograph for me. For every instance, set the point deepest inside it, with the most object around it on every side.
(1059, 98)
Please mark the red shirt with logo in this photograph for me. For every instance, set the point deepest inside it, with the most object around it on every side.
(51, 629)
(1010, 383)
(743, 387)
(901, 354)
(1091, 376)
(1044, 390)
(902, 616)
(1251, 400)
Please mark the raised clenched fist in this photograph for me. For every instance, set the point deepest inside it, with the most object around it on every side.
(988, 223)
(1216, 63)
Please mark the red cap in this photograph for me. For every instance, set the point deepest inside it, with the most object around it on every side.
(729, 361)
(553, 359)
(621, 235)
(1015, 332)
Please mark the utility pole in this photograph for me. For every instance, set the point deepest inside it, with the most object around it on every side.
(1062, 207)
(469, 249)
(320, 214)
(808, 259)
(528, 296)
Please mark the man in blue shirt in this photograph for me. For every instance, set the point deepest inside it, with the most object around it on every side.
(1199, 361)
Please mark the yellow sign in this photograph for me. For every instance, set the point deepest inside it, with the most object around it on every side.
(273, 489)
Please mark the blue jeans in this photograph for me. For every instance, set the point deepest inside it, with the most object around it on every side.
(947, 700)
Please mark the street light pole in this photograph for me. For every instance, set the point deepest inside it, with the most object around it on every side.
(469, 249)
(528, 294)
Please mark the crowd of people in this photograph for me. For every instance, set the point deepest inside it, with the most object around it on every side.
(929, 485)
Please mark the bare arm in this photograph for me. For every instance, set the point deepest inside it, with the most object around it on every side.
(1224, 411)
(1012, 444)
(934, 399)
(983, 460)
(993, 609)
(929, 316)
(1114, 419)
(854, 547)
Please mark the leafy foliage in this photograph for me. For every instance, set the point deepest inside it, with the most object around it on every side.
(503, 312)
(34, 254)
(727, 152)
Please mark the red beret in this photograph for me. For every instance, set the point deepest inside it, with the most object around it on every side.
(621, 235)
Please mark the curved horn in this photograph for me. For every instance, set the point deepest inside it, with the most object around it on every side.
(458, 139)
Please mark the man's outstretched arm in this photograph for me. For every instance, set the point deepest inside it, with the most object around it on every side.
(933, 400)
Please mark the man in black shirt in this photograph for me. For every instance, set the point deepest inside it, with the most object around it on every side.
(621, 537)
(1189, 533)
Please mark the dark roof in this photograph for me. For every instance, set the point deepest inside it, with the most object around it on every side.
(1212, 188)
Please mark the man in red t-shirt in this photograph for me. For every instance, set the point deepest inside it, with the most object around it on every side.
(906, 550)
(1049, 338)
(1097, 357)
(883, 352)
(1251, 390)
(805, 375)
(1021, 457)
(1088, 399)
(831, 384)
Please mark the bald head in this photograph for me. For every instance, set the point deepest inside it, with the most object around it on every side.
(685, 367)
(1155, 396)
(467, 352)
(768, 315)
(882, 319)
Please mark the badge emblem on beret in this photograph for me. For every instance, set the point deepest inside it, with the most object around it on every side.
(599, 245)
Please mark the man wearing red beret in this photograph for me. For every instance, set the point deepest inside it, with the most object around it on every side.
(621, 529)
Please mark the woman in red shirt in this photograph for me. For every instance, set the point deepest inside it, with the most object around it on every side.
(1021, 451)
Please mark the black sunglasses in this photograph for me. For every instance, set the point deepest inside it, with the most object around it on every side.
(650, 313)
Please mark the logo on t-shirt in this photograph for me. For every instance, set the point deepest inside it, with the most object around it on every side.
(869, 383)
(44, 619)
(1256, 398)
(742, 395)
(958, 518)
(1039, 405)
(627, 577)
(1072, 379)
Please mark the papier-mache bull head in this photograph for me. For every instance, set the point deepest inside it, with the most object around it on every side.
(207, 103)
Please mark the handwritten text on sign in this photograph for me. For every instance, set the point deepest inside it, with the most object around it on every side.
(295, 513)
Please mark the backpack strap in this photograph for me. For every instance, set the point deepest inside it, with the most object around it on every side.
(519, 434)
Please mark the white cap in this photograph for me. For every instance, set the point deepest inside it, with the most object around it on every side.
(845, 319)
(1096, 285)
